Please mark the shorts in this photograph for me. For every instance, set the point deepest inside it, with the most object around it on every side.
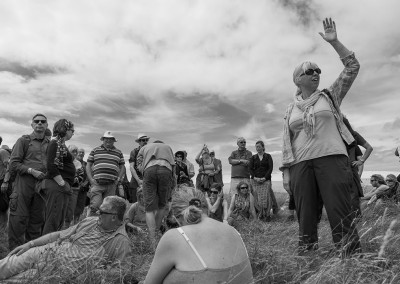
(157, 187)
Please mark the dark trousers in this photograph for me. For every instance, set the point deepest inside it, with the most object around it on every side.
(132, 191)
(57, 198)
(73, 198)
(356, 193)
(26, 212)
(80, 204)
(328, 180)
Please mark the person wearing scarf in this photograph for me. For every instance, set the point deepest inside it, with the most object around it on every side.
(60, 176)
(315, 161)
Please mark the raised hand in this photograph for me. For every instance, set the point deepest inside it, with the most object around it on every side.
(329, 29)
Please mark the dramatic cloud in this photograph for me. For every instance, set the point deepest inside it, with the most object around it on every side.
(192, 72)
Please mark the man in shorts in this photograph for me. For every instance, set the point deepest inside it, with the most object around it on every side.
(157, 163)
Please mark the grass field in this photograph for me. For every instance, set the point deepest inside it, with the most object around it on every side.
(272, 251)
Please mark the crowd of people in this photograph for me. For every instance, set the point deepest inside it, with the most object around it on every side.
(46, 186)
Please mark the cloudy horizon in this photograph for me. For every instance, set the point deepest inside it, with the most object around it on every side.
(193, 72)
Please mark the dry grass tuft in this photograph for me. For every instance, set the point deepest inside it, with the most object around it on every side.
(272, 250)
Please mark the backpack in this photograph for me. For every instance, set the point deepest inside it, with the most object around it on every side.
(12, 172)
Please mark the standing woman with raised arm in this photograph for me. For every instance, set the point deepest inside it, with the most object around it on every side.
(315, 158)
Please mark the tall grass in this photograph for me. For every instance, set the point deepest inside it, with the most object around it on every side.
(272, 250)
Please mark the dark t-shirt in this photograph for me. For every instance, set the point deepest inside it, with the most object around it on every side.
(241, 170)
(132, 159)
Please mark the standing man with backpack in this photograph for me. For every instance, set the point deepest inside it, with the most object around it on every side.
(28, 165)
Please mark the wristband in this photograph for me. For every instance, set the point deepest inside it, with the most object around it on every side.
(30, 171)
(31, 244)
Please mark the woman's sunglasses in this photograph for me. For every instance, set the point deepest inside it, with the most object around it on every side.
(311, 71)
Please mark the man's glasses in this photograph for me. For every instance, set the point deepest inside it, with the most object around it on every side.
(311, 71)
(213, 192)
(244, 187)
(43, 121)
(101, 212)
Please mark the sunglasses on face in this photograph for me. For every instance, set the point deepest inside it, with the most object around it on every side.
(311, 71)
(244, 187)
(101, 212)
(43, 121)
(143, 140)
(213, 192)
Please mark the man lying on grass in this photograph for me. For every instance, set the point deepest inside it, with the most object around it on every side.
(99, 241)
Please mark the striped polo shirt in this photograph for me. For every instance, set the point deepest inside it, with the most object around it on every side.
(106, 162)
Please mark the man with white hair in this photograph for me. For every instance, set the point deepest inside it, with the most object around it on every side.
(239, 159)
(105, 169)
(100, 240)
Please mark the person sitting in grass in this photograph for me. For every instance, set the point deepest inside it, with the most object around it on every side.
(242, 204)
(201, 250)
(390, 195)
(378, 185)
(100, 240)
(217, 205)
(135, 217)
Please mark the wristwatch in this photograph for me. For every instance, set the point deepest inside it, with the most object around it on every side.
(31, 244)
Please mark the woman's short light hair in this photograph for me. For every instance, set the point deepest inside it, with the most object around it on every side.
(301, 68)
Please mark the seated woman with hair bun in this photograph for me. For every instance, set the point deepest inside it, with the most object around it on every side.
(200, 251)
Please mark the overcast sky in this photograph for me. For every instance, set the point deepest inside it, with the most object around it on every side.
(193, 72)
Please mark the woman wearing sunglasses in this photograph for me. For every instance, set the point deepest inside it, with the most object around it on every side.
(208, 168)
(217, 205)
(388, 196)
(242, 204)
(315, 161)
(378, 185)
(201, 250)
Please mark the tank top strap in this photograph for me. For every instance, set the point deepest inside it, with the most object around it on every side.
(180, 230)
(242, 241)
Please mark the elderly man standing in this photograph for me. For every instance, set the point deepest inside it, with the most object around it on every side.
(105, 169)
(137, 177)
(157, 163)
(239, 159)
(28, 165)
(101, 240)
